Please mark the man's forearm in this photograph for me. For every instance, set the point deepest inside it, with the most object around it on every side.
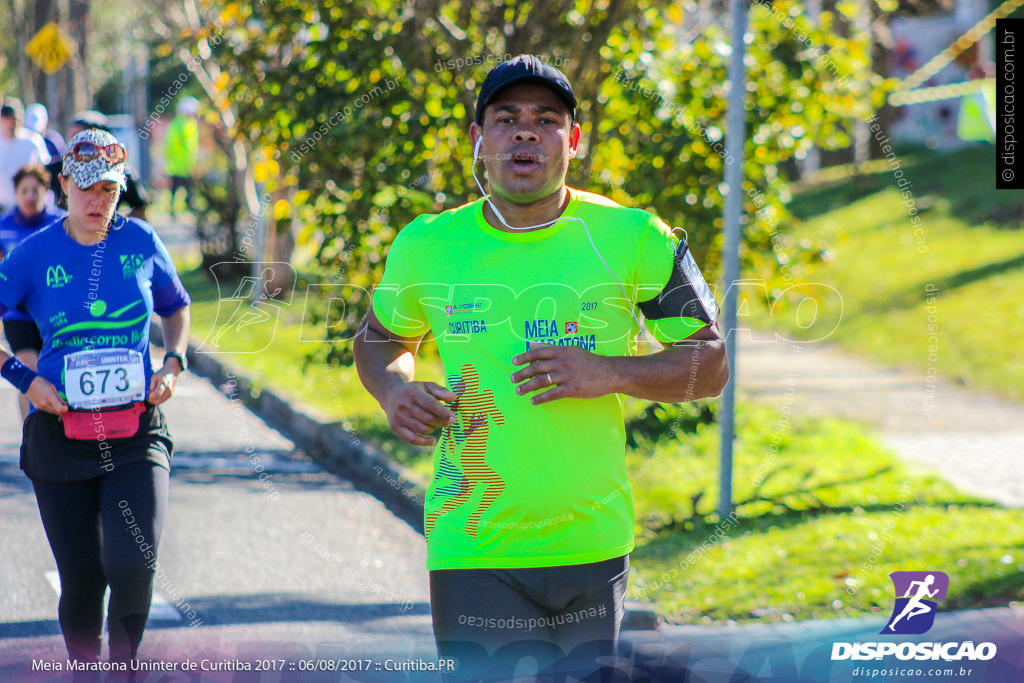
(382, 364)
(677, 374)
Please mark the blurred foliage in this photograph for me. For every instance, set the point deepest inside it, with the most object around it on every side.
(656, 422)
(362, 108)
(217, 214)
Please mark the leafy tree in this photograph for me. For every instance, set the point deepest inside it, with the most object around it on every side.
(362, 110)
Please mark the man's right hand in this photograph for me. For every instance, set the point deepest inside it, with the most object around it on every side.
(416, 409)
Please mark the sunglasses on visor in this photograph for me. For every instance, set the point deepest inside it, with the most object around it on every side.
(87, 151)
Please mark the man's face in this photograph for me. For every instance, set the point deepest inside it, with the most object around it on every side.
(8, 126)
(528, 140)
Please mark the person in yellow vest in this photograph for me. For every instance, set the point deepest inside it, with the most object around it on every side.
(977, 118)
(181, 149)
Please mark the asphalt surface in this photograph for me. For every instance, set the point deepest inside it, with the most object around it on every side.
(295, 565)
(297, 570)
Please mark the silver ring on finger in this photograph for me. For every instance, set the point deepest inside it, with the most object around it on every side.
(550, 381)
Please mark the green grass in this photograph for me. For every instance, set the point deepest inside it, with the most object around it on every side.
(809, 513)
(881, 273)
(273, 353)
(802, 544)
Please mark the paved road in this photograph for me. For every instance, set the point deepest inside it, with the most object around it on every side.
(295, 565)
(300, 566)
(972, 439)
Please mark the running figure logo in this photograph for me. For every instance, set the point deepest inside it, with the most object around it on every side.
(475, 409)
(914, 612)
(253, 307)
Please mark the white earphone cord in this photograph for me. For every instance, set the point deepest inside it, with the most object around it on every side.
(487, 198)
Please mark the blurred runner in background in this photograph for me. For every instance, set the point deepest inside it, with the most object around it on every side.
(31, 214)
(181, 149)
(19, 147)
(37, 119)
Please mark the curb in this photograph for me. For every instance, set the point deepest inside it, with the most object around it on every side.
(329, 444)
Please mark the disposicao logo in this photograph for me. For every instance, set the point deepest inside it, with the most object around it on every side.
(917, 598)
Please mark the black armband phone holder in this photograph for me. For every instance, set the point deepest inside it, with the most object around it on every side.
(686, 294)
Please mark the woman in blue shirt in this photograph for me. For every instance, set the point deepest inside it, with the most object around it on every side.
(30, 214)
(96, 445)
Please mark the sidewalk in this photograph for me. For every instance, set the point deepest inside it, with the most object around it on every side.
(972, 439)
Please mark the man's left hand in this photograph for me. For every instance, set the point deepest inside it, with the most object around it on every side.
(572, 371)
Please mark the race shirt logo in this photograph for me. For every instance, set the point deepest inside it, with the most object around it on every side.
(548, 332)
(104, 329)
(57, 277)
(467, 327)
(466, 441)
(465, 307)
(131, 264)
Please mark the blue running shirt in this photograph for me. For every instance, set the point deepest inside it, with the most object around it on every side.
(14, 229)
(91, 297)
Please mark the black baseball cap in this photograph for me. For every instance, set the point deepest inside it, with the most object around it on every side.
(525, 69)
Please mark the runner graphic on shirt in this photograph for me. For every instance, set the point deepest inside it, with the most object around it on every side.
(476, 410)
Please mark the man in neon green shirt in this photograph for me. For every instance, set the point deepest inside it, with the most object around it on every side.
(532, 294)
(181, 149)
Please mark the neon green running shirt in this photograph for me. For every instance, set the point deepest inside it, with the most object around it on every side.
(519, 485)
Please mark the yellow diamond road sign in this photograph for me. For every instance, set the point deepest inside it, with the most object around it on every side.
(51, 48)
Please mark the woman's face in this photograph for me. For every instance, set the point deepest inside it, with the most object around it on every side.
(91, 208)
(31, 196)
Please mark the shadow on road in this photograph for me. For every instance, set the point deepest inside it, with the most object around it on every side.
(261, 608)
(264, 608)
(12, 479)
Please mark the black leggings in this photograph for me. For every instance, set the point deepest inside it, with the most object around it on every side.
(564, 619)
(185, 184)
(100, 531)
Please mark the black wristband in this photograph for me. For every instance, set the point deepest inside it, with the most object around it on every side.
(181, 359)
